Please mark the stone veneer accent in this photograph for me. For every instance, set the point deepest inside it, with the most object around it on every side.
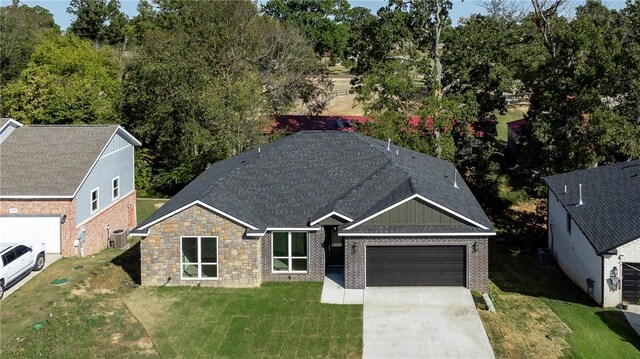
(316, 260)
(116, 216)
(238, 256)
(477, 263)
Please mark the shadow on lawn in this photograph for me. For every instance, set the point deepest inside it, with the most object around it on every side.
(617, 323)
(513, 265)
(130, 262)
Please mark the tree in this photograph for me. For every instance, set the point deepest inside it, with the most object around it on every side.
(205, 80)
(322, 21)
(66, 81)
(584, 98)
(98, 20)
(21, 28)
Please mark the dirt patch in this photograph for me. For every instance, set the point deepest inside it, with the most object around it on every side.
(80, 292)
(116, 338)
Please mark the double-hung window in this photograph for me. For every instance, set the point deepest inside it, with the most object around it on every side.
(115, 188)
(95, 200)
(290, 252)
(199, 257)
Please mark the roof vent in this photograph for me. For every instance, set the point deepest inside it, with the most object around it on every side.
(580, 203)
(455, 178)
(397, 153)
(258, 149)
(565, 189)
(389, 144)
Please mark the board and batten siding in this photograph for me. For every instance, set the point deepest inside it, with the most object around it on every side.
(116, 161)
(573, 252)
(413, 212)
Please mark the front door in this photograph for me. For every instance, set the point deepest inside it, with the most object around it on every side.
(335, 246)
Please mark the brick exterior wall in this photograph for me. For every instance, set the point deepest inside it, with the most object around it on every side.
(54, 207)
(96, 235)
(116, 216)
(238, 256)
(316, 262)
(477, 263)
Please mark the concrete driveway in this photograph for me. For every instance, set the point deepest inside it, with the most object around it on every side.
(48, 259)
(423, 322)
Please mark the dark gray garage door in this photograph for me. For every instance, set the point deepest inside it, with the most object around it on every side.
(631, 282)
(416, 265)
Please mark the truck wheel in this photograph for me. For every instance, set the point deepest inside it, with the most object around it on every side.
(39, 262)
(1, 288)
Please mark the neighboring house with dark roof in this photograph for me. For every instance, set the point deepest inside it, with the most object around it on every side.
(67, 186)
(288, 210)
(594, 230)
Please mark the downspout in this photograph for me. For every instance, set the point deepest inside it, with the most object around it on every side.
(549, 221)
(602, 281)
(108, 235)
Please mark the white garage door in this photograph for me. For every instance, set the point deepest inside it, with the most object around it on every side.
(32, 229)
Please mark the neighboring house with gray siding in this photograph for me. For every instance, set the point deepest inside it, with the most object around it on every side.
(7, 125)
(68, 186)
(381, 214)
(594, 230)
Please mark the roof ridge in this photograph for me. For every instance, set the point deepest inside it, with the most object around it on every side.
(73, 125)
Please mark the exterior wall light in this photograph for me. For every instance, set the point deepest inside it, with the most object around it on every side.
(474, 247)
(63, 219)
(354, 247)
(613, 280)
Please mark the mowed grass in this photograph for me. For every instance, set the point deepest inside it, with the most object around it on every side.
(542, 314)
(512, 114)
(146, 206)
(277, 320)
(88, 317)
(85, 318)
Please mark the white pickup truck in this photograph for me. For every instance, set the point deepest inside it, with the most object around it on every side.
(17, 261)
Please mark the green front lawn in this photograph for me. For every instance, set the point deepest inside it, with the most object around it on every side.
(277, 320)
(102, 313)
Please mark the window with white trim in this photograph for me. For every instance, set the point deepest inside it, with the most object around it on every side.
(199, 257)
(290, 252)
(95, 200)
(115, 188)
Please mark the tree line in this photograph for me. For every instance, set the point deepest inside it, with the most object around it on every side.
(196, 81)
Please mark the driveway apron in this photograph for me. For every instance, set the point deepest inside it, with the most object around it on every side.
(423, 322)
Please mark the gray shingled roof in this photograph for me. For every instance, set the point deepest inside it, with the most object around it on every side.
(610, 214)
(50, 160)
(302, 177)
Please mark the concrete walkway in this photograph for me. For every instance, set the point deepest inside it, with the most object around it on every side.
(633, 316)
(423, 322)
(333, 291)
(48, 259)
